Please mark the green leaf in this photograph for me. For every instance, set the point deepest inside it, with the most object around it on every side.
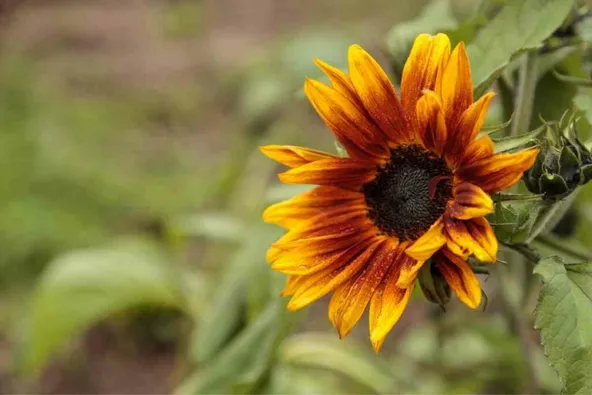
(227, 309)
(583, 101)
(521, 25)
(436, 16)
(327, 352)
(584, 29)
(564, 317)
(506, 144)
(244, 361)
(214, 226)
(81, 288)
(296, 380)
(512, 223)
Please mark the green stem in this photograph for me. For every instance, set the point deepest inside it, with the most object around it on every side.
(548, 219)
(526, 251)
(515, 197)
(532, 254)
(572, 251)
(523, 105)
(525, 94)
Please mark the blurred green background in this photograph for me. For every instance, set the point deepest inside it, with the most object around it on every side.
(131, 245)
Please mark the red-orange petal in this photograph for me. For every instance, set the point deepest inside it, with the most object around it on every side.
(293, 156)
(456, 86)
(378, 95)
(499, 171)
(339, 81)
(351, 298)
(476, 151)
(350, 125)
(470, 202)
(467, 129)
(386, 307)
(292, 285)
(319, 284)
(461, 278)
(343, 173)
(308, 204)
(475, 235)
(321, 257)
(432, 122)
(428, 56)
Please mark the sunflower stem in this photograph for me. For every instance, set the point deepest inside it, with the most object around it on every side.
(572, 251)
(549, 217)
(515, 197)
(525, 94)
(526, 251)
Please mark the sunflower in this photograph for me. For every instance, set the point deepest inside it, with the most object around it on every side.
(414, 188)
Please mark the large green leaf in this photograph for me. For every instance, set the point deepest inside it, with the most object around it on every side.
(436, 16)
(510, 143)
(228, 306)
(583, 101)
(240, 366)
(564, 317)
(82, 287)
(513, 222)
(327, 352)
(520, 25)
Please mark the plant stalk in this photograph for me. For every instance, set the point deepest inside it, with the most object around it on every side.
(524, 102)
(528, 77)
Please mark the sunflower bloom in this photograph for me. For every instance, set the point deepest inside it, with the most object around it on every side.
(415, 188)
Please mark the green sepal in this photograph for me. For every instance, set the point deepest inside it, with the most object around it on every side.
(510, 143)
(433, 285)
(553, 185)
(513, 223)
(569, 164)
(585, 174)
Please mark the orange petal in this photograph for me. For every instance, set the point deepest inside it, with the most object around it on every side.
(499, 171)
(386, 307)
(459, 275)
(319, 284)
(476, 151)
(313, 260)
(343, 173)
(349, 124)
(457, 249)
(328, 231)
(340, 81)
(292, 285)
(308, 204)
(430, 242)
(378, 95)
(431, 122)
(470, 201)
(456, 85)
(351, 298)
(469, 126)
(428, 56)
(475, 235)
(293, 156)
(484, 235)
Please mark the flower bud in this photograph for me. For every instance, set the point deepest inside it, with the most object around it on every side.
(434, 286)
(563, 164)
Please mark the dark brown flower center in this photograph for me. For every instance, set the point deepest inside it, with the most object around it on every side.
(409, 193)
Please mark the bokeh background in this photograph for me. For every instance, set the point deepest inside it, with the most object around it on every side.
(131, 245)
